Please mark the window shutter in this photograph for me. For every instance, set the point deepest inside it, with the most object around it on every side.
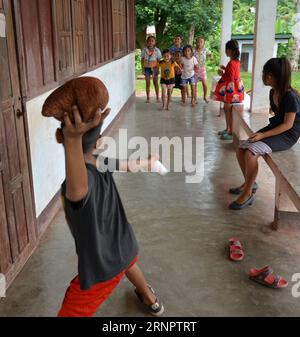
(116, 28)
(79, 41)
(131, 25)
(123, 25)
(119, 27)
(64, 34)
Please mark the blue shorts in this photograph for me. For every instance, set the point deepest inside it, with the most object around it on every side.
(191, 81)
(148, 72)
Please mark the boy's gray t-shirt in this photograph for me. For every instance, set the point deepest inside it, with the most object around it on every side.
(104, 240)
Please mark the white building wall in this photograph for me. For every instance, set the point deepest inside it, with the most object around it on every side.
(47, 156)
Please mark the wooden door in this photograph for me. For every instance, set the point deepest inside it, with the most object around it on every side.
(17, 227)
(245, 61)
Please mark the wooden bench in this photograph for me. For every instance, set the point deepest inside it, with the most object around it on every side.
(284, 165)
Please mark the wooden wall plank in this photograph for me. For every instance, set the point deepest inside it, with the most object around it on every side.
(110, 30)
(64, 36)
(90, 9)
(87, 34)
(79, 34)
(38, 42)
(5, 252)
(101, 36)
(34, 71)
(46, 41)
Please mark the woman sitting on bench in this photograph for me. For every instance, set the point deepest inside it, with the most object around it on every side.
(281, 134)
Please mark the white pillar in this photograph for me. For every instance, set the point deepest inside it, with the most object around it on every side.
(275, 49)
(226, 28)
(264, 42)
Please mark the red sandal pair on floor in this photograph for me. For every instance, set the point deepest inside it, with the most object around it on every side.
(263, 276)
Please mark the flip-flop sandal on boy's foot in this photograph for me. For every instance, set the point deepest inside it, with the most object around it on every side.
(236, 252)
(266, 277)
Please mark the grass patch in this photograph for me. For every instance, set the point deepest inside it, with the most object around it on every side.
(246, 77)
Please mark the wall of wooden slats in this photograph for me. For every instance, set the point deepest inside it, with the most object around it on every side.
(65, 38)
(38, 39)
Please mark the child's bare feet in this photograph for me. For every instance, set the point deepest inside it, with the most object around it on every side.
(206, 100)
(148, 100)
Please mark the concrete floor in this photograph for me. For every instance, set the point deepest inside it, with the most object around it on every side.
(182, 231)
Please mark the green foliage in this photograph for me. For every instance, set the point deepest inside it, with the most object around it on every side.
(244, 19)
(138, 65)
(285, 49)
(173, 18)
(179, 16)
(285, 16)
(247, 79)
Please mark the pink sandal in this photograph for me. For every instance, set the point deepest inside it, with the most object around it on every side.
(235, 250)
(266, 277)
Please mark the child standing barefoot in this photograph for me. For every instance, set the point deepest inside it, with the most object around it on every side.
(175, 49)
(178, 73)
(230, 88)
(151, 55)
(167, 67)
(201, 53)
(189, 64)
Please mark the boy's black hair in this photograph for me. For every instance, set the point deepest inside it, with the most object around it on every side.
(151, 37)
(165, 51)
(233, 45)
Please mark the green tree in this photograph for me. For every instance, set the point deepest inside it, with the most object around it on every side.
(244, 18)
(190, 18)
(177, 17)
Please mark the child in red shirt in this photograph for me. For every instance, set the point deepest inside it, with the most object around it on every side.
(230, 88)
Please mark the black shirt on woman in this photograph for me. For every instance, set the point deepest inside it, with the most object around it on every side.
(290, 103)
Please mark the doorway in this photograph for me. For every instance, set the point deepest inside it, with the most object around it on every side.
(17, 222)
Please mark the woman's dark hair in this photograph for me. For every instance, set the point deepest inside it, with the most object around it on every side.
(234, 47)
(188, 46)
(280, 69)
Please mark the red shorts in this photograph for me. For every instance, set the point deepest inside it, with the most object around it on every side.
(84, 303)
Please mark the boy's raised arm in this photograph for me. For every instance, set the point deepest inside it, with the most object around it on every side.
(76, 172)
